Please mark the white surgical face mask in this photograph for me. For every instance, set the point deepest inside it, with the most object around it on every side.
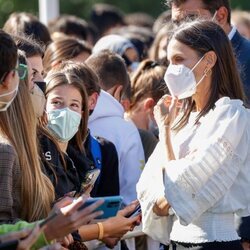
(38, 100)
(63, 123)
(4, 105)
(181, 81)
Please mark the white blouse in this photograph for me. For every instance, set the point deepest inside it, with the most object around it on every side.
(207, 183)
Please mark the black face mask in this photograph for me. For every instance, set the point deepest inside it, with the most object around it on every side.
(91, 112)
(41, 85)
(127, 61)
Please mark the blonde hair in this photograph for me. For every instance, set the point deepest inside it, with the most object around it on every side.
(18, 124)
(147, 81)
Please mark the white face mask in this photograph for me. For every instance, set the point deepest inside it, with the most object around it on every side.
(38, 100)
(4, 105)
(181, 81)
(63, 123)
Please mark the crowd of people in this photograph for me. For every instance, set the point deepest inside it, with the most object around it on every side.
(159, 106)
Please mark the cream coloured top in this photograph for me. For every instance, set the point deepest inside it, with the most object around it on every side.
(207, 183)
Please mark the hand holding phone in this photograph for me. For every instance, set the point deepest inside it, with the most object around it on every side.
(89, 182)
(48, 219)
(135, 212)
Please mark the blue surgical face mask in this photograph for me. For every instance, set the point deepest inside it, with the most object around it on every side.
(63, 123)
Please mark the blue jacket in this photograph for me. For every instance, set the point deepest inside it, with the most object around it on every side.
(241, 48)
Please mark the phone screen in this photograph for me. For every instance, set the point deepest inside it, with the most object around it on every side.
(89, 182)
(136, 211)
(110, 207)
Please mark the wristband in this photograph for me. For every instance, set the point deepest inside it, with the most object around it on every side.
(101, 230)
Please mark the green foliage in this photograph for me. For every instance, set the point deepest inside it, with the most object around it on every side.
(81, 7)
(240, 4)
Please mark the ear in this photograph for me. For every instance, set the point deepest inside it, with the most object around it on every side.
(8, 80)
(148, 104)
(221, 16)
(92, 100)
(211, 59)
(126, 104)
(116, 92)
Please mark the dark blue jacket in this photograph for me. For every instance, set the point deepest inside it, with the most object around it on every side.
(241, 48)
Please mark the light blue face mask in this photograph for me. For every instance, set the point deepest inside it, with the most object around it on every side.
(63, 123)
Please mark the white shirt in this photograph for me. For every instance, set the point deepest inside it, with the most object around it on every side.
(232, 33)
(208, 182)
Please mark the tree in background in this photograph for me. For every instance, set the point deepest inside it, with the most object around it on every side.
(81, 7)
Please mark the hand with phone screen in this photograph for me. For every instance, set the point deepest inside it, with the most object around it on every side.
(126, 219)
(89, 182)
(69, 217)
(135, 212)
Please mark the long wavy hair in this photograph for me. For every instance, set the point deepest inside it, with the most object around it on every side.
(18, 124)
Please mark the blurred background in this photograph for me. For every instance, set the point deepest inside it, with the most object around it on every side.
(81, 8)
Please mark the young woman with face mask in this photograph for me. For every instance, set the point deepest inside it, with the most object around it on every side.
(26, 193)
(200, 180)
(66, 115)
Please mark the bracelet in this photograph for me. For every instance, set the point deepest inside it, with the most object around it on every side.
(101, 230)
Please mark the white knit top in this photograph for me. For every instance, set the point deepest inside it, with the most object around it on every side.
(207, 183)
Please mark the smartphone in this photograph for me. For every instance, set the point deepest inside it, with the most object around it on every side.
(135, 212)
(89, 182)
(110, 207)
(48, 219)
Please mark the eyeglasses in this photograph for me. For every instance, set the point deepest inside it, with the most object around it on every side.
(22, 71)
(191, 15)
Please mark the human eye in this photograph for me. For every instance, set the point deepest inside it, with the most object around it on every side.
(34, 73)
(75, 105)
(178, 59)
(56, 103)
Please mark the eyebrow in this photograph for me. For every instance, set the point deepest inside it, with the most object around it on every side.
(75, 100)
(60, 98)
(34, 69)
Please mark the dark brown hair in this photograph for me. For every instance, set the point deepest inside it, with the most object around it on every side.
(84, 72)
(8, 54)
(30, 46)
(202, 37)
(211, 5)
(23, 23)
(110, 69)
(106, 16)
(71, 26)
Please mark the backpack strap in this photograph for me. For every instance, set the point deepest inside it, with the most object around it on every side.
(96, 154)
